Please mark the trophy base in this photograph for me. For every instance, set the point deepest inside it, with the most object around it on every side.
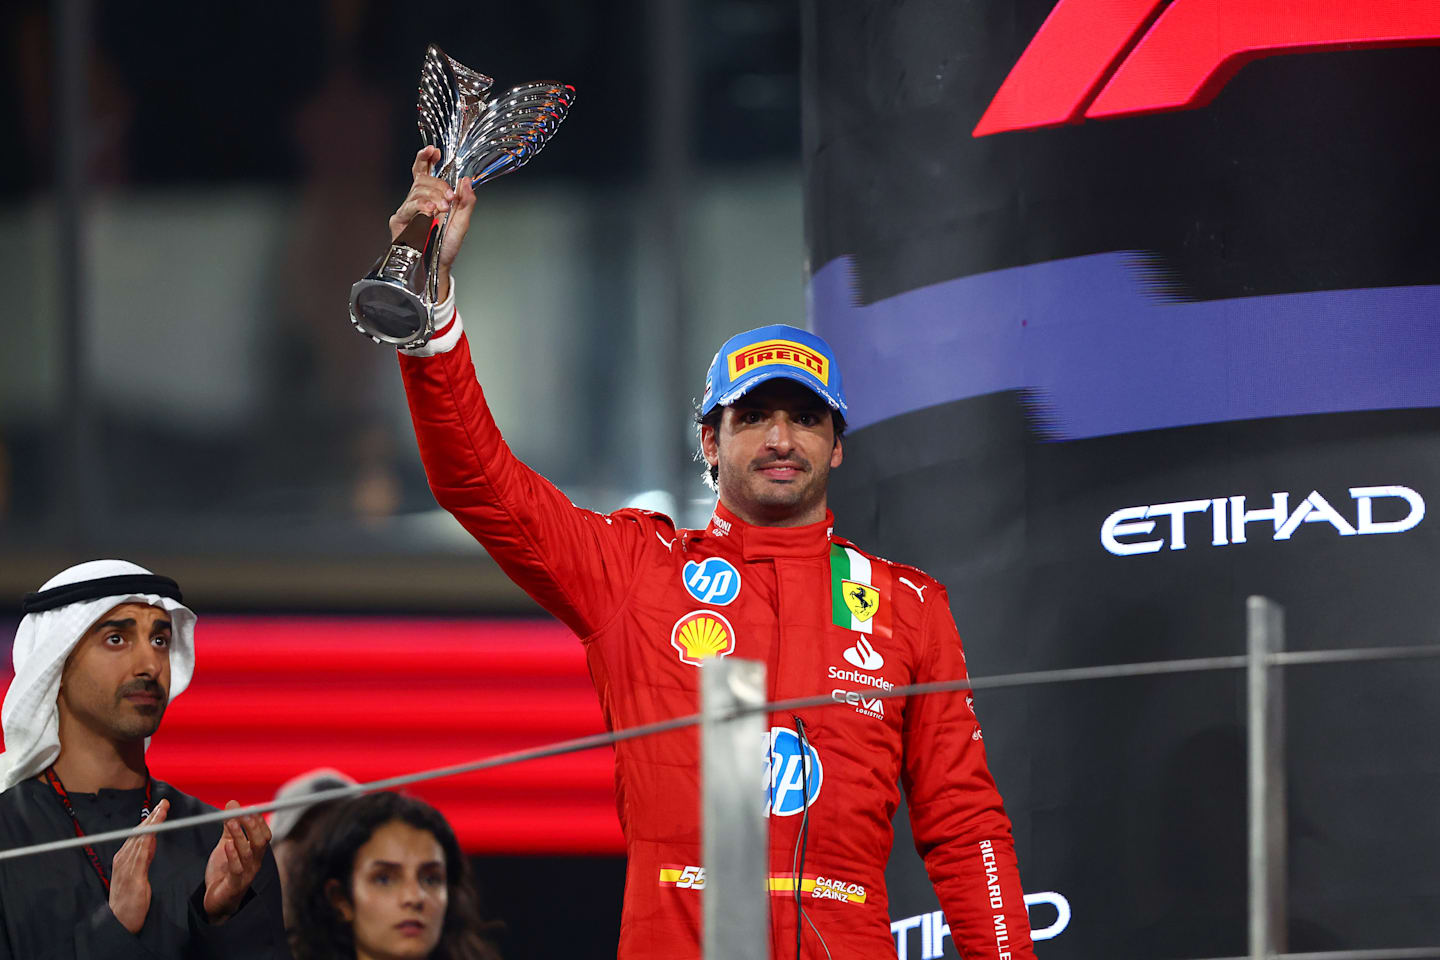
(387, 312)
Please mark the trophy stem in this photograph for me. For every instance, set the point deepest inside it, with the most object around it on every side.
(416, 231)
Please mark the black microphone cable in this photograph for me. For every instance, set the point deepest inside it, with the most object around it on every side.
(797, 859)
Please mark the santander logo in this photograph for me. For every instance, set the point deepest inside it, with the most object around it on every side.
(864, 655)
(1110, 58)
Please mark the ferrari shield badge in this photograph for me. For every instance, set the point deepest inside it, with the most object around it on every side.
(861, 599)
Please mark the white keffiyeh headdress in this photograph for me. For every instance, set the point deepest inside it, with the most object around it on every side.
(57, 617)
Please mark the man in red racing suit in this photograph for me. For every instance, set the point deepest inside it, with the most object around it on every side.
(767, 579)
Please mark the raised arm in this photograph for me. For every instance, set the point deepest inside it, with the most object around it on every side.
(956, 813)
(577, 564)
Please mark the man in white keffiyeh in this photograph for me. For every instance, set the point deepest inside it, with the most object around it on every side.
(103, 648)
(45, 640)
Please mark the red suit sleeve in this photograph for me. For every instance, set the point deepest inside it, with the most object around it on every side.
(958, 819)
(575, 563)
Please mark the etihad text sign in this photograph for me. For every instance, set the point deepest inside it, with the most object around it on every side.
(1135, 530)
(934, 931)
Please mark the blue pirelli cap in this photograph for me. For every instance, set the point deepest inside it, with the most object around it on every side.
(779, 350)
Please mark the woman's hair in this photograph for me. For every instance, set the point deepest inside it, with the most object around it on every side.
(321, 933)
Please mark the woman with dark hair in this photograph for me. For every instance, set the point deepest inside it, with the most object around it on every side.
(384, 879)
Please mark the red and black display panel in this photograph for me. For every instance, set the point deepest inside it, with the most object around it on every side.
(1136, 306)
(375, 697)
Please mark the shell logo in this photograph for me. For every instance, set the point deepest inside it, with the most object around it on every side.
(702, 635)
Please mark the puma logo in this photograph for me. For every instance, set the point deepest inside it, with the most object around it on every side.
(919, 591)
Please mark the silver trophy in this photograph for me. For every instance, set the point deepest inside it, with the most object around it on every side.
(480, 138)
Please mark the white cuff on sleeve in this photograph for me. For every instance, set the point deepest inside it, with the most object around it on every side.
(447, 329)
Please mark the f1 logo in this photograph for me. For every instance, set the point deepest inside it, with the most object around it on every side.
(1112, 58)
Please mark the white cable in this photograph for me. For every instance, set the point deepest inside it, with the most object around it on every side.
(823, 945)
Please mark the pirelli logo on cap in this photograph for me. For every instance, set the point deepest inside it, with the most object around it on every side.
(787, 352)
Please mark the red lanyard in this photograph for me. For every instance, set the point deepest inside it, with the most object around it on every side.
(52, 778)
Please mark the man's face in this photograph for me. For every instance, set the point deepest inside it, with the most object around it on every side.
(116, 681)
(774, 448)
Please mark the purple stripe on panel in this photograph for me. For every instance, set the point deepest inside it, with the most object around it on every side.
(1104, 351)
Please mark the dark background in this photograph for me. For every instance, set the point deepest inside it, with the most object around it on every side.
(1307, 173)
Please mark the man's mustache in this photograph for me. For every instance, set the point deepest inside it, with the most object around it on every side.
(148, 687)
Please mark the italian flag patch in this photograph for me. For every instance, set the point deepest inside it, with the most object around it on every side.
(859, 592)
